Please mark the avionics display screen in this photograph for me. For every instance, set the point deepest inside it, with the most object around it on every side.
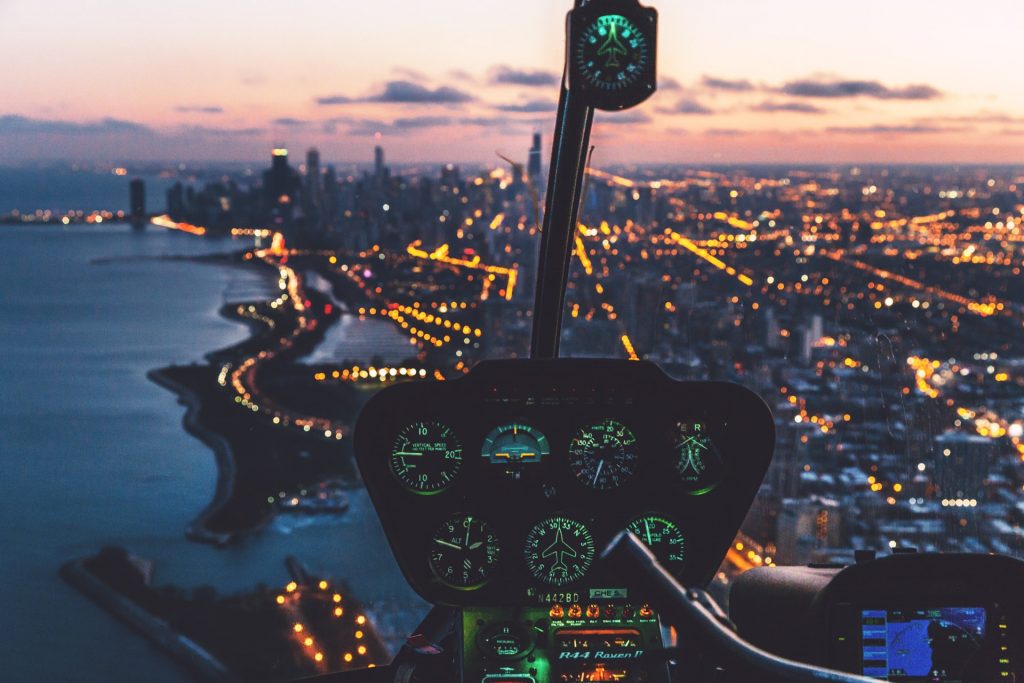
(909, 645)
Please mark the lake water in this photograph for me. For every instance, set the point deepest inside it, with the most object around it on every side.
(93, 453)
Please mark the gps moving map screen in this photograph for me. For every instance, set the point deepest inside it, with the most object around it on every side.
(910, 645)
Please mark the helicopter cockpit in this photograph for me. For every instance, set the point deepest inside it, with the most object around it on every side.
(563, 515)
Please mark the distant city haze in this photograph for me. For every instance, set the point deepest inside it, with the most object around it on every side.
(460, 80)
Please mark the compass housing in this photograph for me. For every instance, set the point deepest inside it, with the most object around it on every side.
(612, 53)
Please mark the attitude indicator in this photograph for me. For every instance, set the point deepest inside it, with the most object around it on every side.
(515, 444)
(426, 457)
(559, 550)
(464, 552)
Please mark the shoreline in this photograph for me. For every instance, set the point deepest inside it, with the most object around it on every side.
(249, 452)
(227, 467)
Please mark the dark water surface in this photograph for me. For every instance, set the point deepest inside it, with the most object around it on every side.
(93, 453)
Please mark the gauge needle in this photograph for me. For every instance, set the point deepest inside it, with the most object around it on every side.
(408, 453)
(692, 438)
(447, 544)
(468, 529)
(647, 526)
(598, 473)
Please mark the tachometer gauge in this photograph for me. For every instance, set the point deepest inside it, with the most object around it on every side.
(464, 552)
(426, 457)
(663, 537)
(603, 455)
(515, 443)
(697, 460)
(559, 550)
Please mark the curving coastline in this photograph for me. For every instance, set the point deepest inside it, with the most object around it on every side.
(257, 457)
(227, 469)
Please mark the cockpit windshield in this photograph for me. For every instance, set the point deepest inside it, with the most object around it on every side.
(226, 230)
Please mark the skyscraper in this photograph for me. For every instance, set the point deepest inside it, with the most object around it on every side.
(280, 185)
(314, 188)
(533, 166)
(277, 180)
(378, 162)
(137, 197)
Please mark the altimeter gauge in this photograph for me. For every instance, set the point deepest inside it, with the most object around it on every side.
(426, 457)
(697, 460)
(612, 60)
(464, 552)
(663, 537)
(559, 550)
(603, 455)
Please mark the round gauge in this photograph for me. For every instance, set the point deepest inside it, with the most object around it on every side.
(426, 457)
(559, 550)
(612, 53)
(697, 460)
(603, 455)
(515, 443)
(662, 537)
(464, 552)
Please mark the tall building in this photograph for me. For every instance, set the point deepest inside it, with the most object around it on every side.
(137, 202)
(176, 201)
(378, 163)
(280, 185)
(314, 188)
(277, 180)
(533, 170)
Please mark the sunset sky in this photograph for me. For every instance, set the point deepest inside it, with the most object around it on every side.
(459, 80)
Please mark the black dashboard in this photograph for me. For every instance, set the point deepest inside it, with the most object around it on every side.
(500, 488)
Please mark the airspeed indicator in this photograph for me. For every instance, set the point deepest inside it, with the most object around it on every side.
(603, 455)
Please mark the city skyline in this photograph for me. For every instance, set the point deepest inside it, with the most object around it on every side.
(741, 83)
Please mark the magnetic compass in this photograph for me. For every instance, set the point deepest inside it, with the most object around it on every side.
(612, 59)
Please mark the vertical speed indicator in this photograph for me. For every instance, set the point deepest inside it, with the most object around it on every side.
(426, 457)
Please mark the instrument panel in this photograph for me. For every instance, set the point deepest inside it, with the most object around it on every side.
(501, 487)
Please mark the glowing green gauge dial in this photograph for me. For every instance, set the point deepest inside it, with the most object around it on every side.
(663, 538)
(559, 550)
(698, 462)
(464, 552)
(515, 443)
(612, 53)
(603, 455)
(426, 457)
